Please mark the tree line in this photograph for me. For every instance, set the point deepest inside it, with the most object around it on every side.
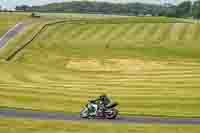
(186, 9)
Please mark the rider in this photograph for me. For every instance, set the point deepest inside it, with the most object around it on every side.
(103, 102)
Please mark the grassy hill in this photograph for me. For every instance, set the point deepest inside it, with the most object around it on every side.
(149, 68)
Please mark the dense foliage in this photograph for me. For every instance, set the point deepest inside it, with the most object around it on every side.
(185, 9)
(96, 7)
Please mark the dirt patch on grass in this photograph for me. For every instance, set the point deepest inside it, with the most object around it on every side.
(111, 65)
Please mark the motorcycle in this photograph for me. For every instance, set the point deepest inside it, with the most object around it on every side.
(108, 112)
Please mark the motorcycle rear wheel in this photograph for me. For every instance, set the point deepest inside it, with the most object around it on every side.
(112, 115)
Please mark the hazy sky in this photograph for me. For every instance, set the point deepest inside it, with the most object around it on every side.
(13, 3)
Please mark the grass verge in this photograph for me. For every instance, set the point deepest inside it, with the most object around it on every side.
(10, 125)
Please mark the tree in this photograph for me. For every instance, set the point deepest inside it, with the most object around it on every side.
(22, 8)
(196, 9)
(184, 9)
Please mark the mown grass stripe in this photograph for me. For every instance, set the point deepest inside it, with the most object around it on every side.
(80, 31)
(85, 96)
(197, 32)
(92, 32)
(183, 32)
(176, 31)
(73, 30)
(99, 31)
(130, 31)
(86, 34)
(145, 33)
(139, 30)
(151, 32)
(164, 33)
(64, 32)
(189, 34)
(120, 33)
(89, 91)
(167, 84)
(108, 31)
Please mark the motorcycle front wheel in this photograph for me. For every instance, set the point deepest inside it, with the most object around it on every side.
(84, 113)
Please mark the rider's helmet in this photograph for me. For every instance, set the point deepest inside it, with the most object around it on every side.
(103, 96)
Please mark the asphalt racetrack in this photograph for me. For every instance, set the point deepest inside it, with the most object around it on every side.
(11, 33)
(121, 119)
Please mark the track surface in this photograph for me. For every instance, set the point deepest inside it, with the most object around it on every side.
(11, 33)
(121, 119)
